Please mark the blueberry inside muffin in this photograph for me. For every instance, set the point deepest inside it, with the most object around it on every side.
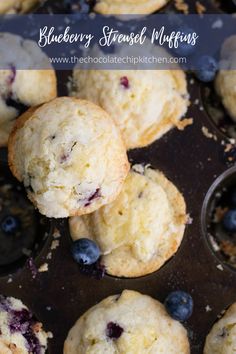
(20, 332)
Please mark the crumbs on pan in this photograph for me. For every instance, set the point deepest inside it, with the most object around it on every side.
(32, 267)
(50, 335)
(184, 123)
(56, 233)
(189, 220)
(214, 244)
(208, 134)
(55, 244)
(49, 255)
(43, 268)
(229, 152)
(181, 5)
(220, 267)
(208, 308)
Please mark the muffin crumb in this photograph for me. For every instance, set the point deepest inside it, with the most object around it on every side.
(219, 266)
(208, 134)
(184, 123)
(55, 244)
(208, 308)
(43, 268)
(181, 6)
(200, 8)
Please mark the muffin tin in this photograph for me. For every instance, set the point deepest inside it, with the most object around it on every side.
(192, 159)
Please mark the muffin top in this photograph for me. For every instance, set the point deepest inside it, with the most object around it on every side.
(129, 7)
(21, 89)
(141, 229)
(20, 331)
(128, 323)
(69, 155)
(222, 337)
(145, 104)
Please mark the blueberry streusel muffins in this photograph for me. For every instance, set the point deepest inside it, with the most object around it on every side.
(130, 323)
(129, 7)
(145, 104)
(70, 156)
(141, 229)
(225, 82)
(20, 332)
(21, 89)
(222, 337)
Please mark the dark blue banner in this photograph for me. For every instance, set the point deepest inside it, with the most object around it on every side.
(163, 41)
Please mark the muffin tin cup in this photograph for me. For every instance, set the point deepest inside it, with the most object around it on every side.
(215, 197)
(192, 159)
(217, 113)
(224, 6)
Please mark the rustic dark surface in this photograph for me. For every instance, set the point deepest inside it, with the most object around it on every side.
(192, 162)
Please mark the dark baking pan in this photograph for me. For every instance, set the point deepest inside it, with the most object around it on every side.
(192, 159)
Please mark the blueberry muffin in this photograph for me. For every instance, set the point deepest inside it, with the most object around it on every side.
(129, 7)
(141, 229)
(222, 337)
(20, 332)
(129, 323)
(144, 104)
(16, 6)
(69, 155)
(21, 89)
(225, 82)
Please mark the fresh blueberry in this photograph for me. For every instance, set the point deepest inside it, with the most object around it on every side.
(206, 68)
(185, 47)
(85, 251)
(229, 220)
(179, 305)
(233, 194)
(113, 330)
(10, 224)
